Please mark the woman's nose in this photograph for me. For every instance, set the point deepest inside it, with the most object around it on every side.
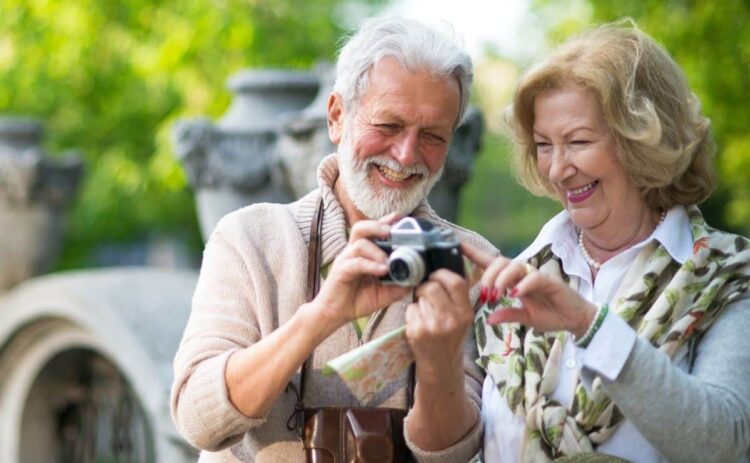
(560, 166)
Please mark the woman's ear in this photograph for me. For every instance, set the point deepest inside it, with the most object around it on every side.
(335, 117)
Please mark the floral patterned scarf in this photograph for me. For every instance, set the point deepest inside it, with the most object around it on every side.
(665, 302)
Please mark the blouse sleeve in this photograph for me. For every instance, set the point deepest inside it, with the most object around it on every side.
(703, 416)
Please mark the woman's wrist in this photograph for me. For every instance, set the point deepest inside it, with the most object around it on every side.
(587, 318)
(583, 339)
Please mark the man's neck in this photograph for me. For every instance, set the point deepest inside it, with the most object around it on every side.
(352, 214)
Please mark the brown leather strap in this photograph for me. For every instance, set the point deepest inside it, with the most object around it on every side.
(314, 260)
(314, 253)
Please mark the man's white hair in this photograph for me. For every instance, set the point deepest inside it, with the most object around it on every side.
(413, 44)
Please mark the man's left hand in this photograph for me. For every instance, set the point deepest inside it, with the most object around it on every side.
(437, 326)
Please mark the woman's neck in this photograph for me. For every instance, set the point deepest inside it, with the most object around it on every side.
(604, 243)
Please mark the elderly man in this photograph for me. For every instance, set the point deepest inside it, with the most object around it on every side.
(400, 92)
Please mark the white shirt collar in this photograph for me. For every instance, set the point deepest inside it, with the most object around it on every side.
(674, 234)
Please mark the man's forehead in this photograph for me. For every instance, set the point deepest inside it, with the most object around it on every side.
(390, 67)
(392, 90)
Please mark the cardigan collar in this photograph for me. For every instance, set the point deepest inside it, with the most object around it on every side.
(334, 220)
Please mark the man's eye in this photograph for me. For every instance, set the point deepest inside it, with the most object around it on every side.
(387, 127)
(434, 139)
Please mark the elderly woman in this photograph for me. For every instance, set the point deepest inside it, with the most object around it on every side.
(624, 329)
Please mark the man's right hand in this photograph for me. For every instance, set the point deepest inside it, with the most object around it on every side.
(350, 291)
(352, 288)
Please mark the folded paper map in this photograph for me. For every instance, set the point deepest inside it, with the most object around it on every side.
(370, 367)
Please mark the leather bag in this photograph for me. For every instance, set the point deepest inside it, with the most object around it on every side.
(345, 434)
(353, 434)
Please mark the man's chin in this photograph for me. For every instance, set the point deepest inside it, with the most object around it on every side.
(380, 204)
(374, 198)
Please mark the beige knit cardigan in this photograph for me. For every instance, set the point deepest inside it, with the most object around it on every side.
(252, 281)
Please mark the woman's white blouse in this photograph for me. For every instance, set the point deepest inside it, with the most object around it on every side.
(609, 349)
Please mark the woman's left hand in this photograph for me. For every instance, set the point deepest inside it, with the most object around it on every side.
(547, 302)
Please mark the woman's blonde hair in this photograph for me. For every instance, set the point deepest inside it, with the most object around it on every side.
(664, 143)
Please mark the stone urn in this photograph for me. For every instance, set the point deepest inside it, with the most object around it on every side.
(232, 163)
(34, 190)
(303, 140)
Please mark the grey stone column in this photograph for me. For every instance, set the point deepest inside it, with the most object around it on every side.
(459, 164)
(232, 163)
(34, 189)
(303, 139)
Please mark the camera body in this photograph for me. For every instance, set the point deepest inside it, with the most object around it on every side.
(416, 248)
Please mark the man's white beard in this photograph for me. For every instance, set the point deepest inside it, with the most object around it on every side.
(376, 200)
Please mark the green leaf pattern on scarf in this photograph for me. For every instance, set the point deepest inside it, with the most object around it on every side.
(668, 303)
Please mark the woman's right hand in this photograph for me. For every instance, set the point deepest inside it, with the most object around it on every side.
(352, 288)
(547, 302)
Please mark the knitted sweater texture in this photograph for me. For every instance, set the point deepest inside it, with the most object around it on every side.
(252, 281)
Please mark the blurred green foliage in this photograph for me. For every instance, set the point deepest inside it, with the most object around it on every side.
(711, 41)
(496, 206)
(493, 203)
(110, 77)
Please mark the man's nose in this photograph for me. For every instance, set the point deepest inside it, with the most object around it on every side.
(406, 148)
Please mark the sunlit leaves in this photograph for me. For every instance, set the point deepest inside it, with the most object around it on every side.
(110, 77)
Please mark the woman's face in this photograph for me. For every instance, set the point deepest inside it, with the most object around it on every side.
(577, 152)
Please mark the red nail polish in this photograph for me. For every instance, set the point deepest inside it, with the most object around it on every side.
(514, 292)
(483, 295)
(495, 295)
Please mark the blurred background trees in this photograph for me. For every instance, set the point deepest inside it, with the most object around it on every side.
(711, 41)
(110, 78)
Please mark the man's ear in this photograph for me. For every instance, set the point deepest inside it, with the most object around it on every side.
(335, 117)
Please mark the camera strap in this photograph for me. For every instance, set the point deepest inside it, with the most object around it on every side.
(314, 257)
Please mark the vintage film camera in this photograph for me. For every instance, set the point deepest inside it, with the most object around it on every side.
(416, 248)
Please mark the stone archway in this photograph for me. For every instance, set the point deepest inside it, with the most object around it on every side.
(65, 401)
(85, 367)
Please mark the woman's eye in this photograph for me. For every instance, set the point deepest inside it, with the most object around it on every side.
(579, 142)
(541, 145)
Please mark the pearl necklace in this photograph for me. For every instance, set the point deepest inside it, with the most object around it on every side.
(590, 260)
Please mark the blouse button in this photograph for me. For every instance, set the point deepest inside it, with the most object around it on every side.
(570, 363)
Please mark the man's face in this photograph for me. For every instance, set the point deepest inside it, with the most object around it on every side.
(392, 146)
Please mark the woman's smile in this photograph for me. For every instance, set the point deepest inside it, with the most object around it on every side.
(578, 195)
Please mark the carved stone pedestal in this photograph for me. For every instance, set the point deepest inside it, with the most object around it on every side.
(34, 190)
(232, 163)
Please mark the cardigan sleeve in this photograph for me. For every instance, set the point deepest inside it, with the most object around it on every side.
(699, 417)
(220, 323)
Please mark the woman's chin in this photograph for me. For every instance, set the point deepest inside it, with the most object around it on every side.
(582, 218)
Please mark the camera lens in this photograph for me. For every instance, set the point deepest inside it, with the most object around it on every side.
(399, 270)
(406, 267)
